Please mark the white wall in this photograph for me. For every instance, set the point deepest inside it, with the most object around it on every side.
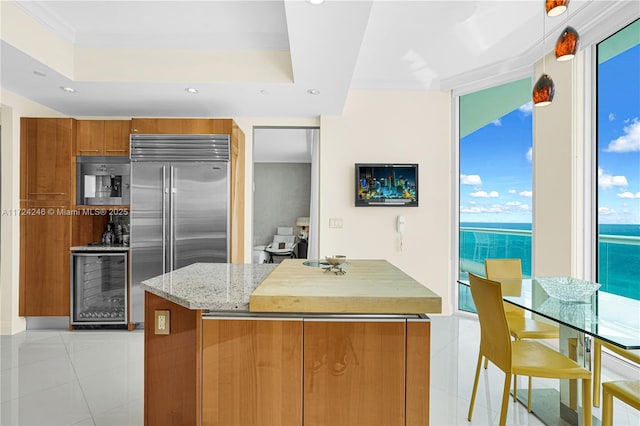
(13, 107)
(391, 126)
(558, 150)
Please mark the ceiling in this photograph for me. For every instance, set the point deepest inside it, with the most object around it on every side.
(263, 58)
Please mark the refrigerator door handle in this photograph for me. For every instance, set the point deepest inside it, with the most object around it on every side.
(164, 219)
(172, 220)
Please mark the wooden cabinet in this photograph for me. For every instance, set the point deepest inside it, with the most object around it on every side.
(45, 158)
(251, 372)
(175, 126)
(236, 210)
(45, 224)
(354, 373)
(103, 137)
(44, 260)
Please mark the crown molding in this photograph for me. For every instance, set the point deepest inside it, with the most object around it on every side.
(39, 11)
(595, 21)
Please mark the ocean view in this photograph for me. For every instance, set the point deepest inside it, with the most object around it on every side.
(618, 251)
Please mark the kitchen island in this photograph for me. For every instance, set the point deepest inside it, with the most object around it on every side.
(233, 344)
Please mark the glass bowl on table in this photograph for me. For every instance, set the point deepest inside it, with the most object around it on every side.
(568, 289)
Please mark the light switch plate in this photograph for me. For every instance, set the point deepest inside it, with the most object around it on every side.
(163, 322)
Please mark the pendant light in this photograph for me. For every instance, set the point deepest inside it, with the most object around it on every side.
(567, 44)
(556, 7)
(543, 91)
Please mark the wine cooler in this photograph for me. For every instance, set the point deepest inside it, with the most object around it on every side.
(99, 288)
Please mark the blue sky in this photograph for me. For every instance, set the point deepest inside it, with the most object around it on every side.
(495, 170)
(619, 138)
(495, 161)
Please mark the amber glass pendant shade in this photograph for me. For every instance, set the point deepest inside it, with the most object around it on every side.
(556, 7)
(567, 44)
(543, 91)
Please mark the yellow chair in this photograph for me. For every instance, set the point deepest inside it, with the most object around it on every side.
(520, 327)
(627, 391)
(517, 357)
(597, 363)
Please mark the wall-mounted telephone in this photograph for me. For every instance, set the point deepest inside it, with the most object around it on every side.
(400, 224)
(400, 229)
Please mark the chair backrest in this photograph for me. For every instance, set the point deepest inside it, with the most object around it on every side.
(495, 339)
(495, 269)
(289, 240)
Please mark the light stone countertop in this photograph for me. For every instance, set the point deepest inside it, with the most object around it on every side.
(210, 286)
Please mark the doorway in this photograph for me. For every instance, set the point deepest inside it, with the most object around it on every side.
(284, 190)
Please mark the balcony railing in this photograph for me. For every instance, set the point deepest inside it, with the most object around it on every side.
(618, 267)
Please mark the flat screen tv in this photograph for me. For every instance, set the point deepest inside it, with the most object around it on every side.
(386, 185)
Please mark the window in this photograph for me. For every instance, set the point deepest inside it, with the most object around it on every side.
(618, 162)
(495, 154)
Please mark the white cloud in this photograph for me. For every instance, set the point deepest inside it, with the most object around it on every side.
(509, 207)
(497, 123)
(471, 180)
(629, 142)
(492, 209)
(612, 116)
(527, 194)
(608, 181)
(629, 195)
(513, 191)
(529, 154)
(527, 108)
(484, 194)
(606, 211)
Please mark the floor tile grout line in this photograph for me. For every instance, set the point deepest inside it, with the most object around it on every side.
(73, 367)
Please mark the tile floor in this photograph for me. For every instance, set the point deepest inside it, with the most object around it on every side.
(56, 377)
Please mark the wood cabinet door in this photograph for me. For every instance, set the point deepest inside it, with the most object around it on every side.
(48, 163)
(90, 137)
(172, 126)
(252, 372)
(354, 373)
(45, 258)
(237, 195)
(116, 137)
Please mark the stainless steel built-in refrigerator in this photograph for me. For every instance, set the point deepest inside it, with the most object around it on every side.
(179, 206)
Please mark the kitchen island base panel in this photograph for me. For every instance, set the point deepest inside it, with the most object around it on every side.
(251, 373)
(417, 374)
(172, 392)
(354, 373)
(224, 368)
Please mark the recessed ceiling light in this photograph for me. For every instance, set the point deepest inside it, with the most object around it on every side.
(192, 90)
(316, 1)
(313, 91)
(68, 89)
(39, 73)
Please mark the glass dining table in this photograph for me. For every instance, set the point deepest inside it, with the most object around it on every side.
(605, 316)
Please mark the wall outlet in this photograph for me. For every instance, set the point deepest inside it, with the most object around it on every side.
(163, 322)
(335, 222)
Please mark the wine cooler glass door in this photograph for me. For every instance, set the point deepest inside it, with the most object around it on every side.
(99, 288)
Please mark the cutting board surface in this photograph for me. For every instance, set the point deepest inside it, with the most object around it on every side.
(369, 286)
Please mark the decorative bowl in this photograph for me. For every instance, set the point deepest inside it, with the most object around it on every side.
(336, 259)
(567, 288)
